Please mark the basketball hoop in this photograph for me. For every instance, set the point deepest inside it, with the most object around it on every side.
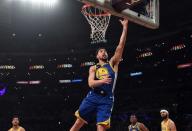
(98, 20)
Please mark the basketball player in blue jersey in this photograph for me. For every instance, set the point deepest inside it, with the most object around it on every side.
(135, 125)
(102, 79)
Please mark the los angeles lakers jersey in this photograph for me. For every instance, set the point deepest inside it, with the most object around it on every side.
(165, 125)
(19, 129)
(103, 71)
(135, 127)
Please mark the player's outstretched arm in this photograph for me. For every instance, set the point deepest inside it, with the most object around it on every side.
(119, 50)
(95, 83)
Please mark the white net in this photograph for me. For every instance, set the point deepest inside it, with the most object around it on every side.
(98, 20)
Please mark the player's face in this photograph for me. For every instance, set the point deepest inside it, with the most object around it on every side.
(164, 115)
(102, 55)
(15, 121)
(133, 119)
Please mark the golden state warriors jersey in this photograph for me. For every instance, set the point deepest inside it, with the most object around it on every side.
(103, 71)
(135, 127)
(99, 100)
(19, 129)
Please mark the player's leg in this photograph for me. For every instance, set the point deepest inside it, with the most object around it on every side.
(102, 124)
(77, 125)
(84, 114)
(104, 111)
(101, 128)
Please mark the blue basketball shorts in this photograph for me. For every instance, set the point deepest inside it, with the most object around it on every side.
(95, 105)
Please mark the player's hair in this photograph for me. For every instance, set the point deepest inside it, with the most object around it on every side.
(16, 116)
(100, 49)
(134, 114)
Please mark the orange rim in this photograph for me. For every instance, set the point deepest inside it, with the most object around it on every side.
(88, 14)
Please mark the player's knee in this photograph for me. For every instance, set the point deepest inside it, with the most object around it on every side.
(101, 127)
(79, 123)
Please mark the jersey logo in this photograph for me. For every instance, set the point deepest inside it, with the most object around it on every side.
(101, 73)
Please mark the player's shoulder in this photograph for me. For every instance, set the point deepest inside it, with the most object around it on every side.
(22, 129)
(162, 122)
(140, 124)
(171, 121)
(93, 67)
(10, 129)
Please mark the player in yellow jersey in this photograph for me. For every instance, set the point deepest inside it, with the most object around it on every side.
(15, 124)
(167, 124)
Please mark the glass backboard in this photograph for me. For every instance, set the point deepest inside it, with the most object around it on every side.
(142, 12)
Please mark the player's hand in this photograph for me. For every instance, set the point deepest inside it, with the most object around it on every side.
(124, 22)
(106, 80)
